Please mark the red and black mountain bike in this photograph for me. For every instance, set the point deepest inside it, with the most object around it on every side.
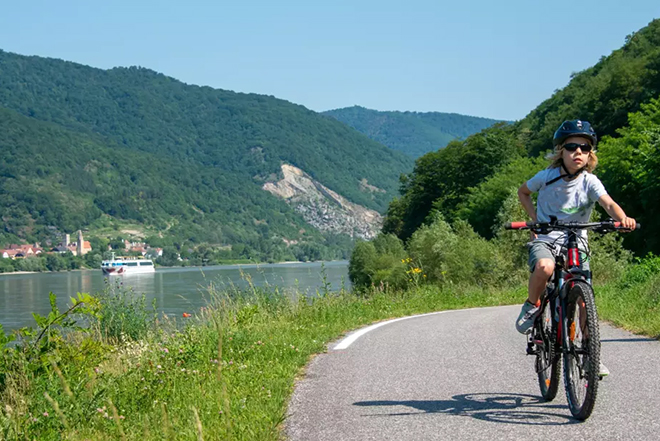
(567, 327)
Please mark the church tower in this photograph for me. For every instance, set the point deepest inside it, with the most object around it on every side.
(80, 243)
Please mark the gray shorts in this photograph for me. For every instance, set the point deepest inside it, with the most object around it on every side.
(539, 249)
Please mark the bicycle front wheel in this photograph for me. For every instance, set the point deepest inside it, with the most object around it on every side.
(581, 350)
(548, 360)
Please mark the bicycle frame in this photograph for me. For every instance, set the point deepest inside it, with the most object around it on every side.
(568, 270)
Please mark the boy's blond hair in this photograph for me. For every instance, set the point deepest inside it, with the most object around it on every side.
(556, 159)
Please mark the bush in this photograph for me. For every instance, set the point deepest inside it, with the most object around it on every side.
(55, 262)
(30, 264)
(456, 254)
(643, 270)
(93, 260)
(609, 259)
(124, 314)
(430, 245)
(361, 263)
(383, 261)
(511, 243)
(6, 266)
(483, 202)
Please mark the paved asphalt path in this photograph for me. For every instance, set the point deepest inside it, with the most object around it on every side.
(464, 375)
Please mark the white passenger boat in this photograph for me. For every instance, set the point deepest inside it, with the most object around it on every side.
(127, 265)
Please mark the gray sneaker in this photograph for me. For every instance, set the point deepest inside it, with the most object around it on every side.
(527, 316)
(602, 369)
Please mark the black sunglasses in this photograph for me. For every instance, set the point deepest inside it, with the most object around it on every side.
(573, 146)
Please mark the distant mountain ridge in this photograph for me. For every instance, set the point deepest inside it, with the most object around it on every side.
(412, 133)
(79, 144)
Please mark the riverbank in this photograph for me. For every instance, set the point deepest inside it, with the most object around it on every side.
(227, 263)
(19, 272)
(228, 372)
(245, 264)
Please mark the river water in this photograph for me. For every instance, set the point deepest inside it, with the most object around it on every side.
(176, 290)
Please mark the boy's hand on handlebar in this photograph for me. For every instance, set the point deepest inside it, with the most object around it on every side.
(532, 235)
(628, 223)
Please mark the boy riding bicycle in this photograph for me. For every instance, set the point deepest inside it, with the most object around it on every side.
(566, 190)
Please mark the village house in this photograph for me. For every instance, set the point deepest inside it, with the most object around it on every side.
(142, 248)
(21, 251)
(79, 248)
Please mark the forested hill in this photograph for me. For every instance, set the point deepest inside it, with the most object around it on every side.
(136, 145)
(472, 180)
(413, 133)
(52, 176)
(604, 93)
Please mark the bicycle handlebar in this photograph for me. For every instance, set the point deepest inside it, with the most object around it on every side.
(555, 225)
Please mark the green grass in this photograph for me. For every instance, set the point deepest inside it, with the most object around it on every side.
(635, 308)
(228, 372)
(233, 366)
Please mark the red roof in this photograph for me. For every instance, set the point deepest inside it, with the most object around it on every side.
(24, 248)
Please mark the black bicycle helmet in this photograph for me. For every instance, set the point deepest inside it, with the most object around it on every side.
(575, 127)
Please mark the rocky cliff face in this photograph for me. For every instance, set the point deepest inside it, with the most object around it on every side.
(322, 207)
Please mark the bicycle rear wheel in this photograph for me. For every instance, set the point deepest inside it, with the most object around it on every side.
(548, 361)
(582, 353)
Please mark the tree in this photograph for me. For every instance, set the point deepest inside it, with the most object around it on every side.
(361, 264)
(440, 180)
(630, 170)
(55, 263)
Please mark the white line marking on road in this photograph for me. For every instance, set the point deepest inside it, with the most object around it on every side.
(345, 343)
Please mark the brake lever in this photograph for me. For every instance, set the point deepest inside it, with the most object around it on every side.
(540, 230)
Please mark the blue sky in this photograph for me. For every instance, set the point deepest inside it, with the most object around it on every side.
(484, 58)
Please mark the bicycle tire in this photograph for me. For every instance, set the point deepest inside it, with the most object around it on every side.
(582, 351)
(548, 359)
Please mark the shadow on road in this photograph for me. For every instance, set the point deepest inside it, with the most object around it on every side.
(628, 340)
(494, 407)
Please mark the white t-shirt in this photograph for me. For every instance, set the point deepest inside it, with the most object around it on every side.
(569, 201)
